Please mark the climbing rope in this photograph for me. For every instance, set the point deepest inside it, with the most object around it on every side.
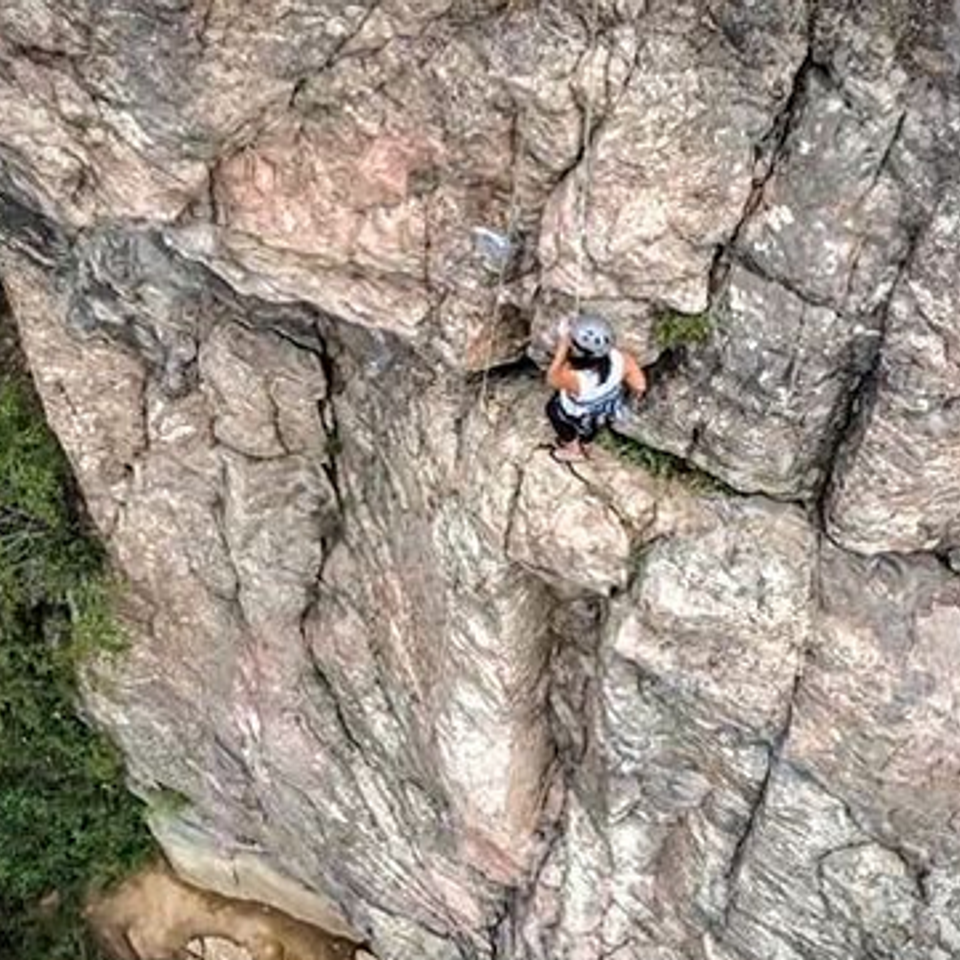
(508, 251)
(582, 206)
(507, 255)
(504, 248)
(586, 152)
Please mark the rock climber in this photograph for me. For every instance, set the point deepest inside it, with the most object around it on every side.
(590, 375)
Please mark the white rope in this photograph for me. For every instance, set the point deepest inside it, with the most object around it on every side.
(492, 325)
(582, 206)
(513, 219)
(586, 177)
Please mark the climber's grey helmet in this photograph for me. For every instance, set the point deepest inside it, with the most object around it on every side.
(592, 335)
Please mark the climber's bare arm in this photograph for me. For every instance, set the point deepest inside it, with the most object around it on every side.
(559, 374)
(634, 376)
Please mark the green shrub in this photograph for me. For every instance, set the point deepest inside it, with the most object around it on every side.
(66, 820)
(661, 464)
(673, 329)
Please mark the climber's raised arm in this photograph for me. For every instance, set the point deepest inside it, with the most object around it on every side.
(560, 375)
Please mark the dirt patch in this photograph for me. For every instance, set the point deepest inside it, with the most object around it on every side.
(156, 916)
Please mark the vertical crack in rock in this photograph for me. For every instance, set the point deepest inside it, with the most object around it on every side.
(326, 414)
(512, 509)
(774, 757)
(777, 746)
(219, 514)
(203, 25)
(886, 158)
(841, 443)
(915, 868)
(578, 767)
(329, 694)
(326, 410)
(218, 509)
(883, 165)
(768, 153)
(570, 679)
(587, 139)
(335, 53)
(505, 935)
(206, 206)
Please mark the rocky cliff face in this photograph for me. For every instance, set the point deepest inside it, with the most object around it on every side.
(473, 702)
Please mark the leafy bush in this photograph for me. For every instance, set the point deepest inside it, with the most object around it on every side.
(66, 821)
(673, 329)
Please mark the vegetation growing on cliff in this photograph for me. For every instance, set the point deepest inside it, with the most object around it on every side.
(66, 820)
(674, 329)
(660, 463)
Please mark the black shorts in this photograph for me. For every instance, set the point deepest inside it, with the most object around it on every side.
(570, 427)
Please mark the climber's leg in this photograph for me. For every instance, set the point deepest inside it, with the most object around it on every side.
(568, 446)
(588, 430)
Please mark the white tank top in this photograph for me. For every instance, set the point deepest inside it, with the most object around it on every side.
(594, 392)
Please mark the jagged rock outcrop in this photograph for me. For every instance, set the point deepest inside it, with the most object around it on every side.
(476, 703)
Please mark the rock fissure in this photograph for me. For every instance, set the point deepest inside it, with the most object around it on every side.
(42, 56)
(512, 508)
(775, 757)
(768, 153)
(335, 54)
(326, 412)
(218, 509)
(753, 265)
(322, 681)
(886, 160)
(204, 22)
(587, 138)
(856, 405)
